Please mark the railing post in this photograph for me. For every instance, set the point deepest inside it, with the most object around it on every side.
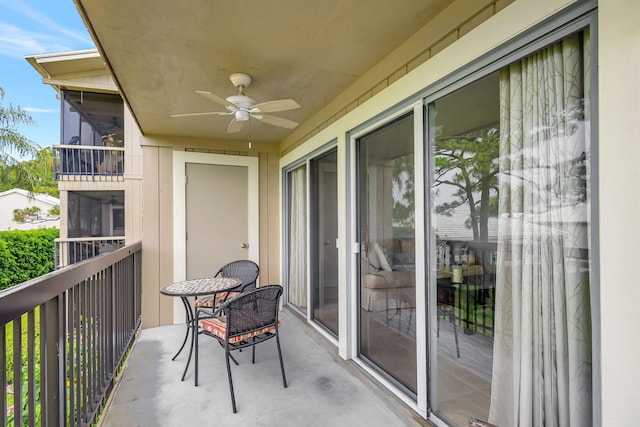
(3, 375)
(51, 363)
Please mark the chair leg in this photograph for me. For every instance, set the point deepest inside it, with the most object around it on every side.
(233, 397)
(284, 378)
(455, 334)
(196, 361)
(230, 355)
(253, 353)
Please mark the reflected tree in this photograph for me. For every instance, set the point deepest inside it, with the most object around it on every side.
(403, 191)
(469, 164)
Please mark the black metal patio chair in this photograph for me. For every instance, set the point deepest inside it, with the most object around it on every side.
(245, 270)
(245, 320)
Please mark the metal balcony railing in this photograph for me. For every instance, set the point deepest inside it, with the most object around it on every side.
(69, 251)
(63, 338)
(87, 162)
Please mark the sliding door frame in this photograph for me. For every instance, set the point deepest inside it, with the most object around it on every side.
(286, 202)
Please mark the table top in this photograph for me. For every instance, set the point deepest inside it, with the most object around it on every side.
(203, 286)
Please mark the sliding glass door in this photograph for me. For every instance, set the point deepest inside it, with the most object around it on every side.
(386, 223)
(509, 243)
(324, 234)
(312, 232)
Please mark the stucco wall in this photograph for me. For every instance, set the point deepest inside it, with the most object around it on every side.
(17, 200)
(619, 208)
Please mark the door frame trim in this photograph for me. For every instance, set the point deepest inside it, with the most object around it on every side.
(180, 160)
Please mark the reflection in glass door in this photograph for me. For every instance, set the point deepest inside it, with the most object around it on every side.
(510, 192)
(386, 223)
(324, 232)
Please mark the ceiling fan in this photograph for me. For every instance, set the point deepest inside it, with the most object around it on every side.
(243, 107)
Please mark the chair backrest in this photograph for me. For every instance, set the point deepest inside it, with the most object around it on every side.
(245, 270)
(252, 310)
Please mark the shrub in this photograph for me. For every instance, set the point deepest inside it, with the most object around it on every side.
(26, 254)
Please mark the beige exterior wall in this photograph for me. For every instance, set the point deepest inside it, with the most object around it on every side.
(133, 173)
(158, 247)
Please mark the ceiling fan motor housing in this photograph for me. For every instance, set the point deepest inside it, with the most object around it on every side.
(242, 101)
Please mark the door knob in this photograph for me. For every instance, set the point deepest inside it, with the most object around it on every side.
(244, 245)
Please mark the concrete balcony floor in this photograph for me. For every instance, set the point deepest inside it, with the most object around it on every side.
(323, 390)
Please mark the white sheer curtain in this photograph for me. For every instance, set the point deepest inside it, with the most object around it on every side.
(298, 238)
(542, 348)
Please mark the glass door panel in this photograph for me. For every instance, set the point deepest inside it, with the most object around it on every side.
(387, 255)
(464, 204)
(510, 194)
(324, 232)
(297, 277)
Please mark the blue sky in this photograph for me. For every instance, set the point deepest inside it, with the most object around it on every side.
(29, 27)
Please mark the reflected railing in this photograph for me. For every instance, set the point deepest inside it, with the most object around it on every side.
(69, 251)
(64, 337)
(87, 162)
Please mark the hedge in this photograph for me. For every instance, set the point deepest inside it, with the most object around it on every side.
(26, 254)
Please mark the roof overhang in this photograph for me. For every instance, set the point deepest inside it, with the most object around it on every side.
(78, 70)
(160, 53)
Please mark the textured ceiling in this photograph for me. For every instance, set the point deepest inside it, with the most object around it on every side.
(162, 52)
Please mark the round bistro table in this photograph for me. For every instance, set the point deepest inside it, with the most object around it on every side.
(196, 288)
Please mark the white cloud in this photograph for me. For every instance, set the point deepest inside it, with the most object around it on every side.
(30, 31)
(14, 40)
(45, 22)
(39, 110)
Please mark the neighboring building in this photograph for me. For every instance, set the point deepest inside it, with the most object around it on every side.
(97, 163)
(522, 112)
(17, 198)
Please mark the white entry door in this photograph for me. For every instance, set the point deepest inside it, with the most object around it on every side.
(215, 214)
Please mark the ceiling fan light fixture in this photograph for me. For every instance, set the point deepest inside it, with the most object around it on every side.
(242, 116)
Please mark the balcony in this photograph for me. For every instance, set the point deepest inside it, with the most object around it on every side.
(69, 251)
(88, 163)
(91, 311)
(64, 337)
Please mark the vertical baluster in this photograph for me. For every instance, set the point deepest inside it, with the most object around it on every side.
(31, 370)
(3, 374)
(17, 370)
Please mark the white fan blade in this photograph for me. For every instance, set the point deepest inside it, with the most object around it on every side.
(209, 113)
(234, 126)
(273, 106)
(216, 98)
(276, 121)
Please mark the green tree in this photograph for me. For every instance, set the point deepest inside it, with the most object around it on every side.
(469, 163)
(40, 168)
(14, 145)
